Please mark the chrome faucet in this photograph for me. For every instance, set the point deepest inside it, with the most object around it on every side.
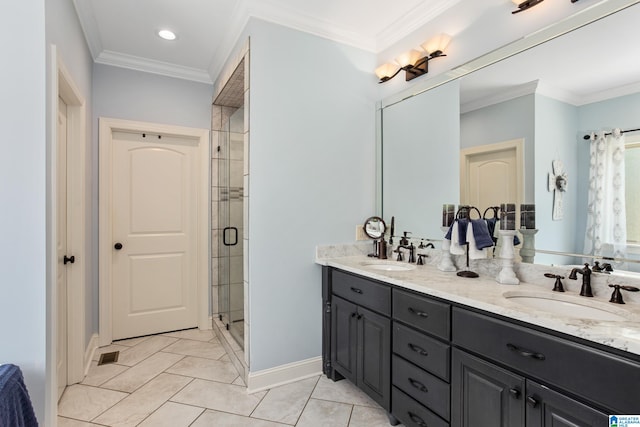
(585, 291)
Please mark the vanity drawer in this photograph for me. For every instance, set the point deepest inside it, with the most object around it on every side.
(427, 389)
(428, 353)
(411, 413)
(362, 292)
(422, 313)
(605, 379)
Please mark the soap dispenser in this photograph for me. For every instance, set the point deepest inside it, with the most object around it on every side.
(382, 248)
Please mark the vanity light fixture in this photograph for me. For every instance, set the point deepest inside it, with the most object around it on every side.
(524, 5)
(414, 63)
(167, 35)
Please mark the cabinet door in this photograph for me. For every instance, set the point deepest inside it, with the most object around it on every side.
(344, 337)
(374, 354)
(484, 395)
(547, 408)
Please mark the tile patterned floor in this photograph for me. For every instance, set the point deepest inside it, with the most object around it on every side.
(185, 379)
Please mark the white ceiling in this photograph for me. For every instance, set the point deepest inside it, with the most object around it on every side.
(592, 63)
(596, 62)
(124, 32)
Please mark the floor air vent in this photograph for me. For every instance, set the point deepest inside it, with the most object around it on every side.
(110, 357)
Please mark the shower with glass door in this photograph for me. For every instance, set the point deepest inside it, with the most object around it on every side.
(229, 212)
(230, 223)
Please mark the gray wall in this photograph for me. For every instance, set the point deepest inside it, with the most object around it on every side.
(132, 95)
(312, 179)
(556, 139)
(421, 153)
(23, 183)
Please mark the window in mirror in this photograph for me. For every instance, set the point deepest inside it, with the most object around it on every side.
(632, 189)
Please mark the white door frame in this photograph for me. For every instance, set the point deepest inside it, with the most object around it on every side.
(107, 127)
(467, 153)
(63, 86)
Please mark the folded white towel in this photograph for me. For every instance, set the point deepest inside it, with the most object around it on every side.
(455, 248)
(474, 252)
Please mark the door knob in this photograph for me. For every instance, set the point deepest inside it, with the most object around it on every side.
(118, 246)
(66, 259)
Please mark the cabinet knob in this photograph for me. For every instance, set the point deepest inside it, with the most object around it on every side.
(117, 246)
(532, 401)
(66, 259)
(515, 393)
(356, 290)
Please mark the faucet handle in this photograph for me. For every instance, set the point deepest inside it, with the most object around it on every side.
(616, 296)
(557, 287)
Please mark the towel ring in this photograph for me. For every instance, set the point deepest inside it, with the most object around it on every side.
(466, 211)
(495, 210)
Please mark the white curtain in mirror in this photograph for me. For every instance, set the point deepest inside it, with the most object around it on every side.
(606, 216)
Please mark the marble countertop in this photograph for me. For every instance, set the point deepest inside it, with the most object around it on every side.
(486, 294)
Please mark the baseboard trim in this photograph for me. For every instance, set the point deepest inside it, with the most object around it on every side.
(90, 351)
(284, 374)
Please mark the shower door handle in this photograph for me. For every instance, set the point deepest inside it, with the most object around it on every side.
(224, 236)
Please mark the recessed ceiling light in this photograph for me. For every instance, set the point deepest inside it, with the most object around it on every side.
(167, 34)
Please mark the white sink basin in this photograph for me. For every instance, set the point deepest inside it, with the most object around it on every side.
(569, 306)
(389, 266)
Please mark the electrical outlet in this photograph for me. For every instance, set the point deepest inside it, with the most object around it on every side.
(360, 233)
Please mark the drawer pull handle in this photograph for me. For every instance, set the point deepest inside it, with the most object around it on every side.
(418, 313)
(417, 384)
(526, 353)
(515, 393)
(421, 351)
(532, 401)
(416, 419)
(356, 290)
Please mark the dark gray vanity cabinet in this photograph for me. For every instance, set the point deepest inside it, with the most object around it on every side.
(421, 360)
(433, 363)
(484, 394)
(361, 337)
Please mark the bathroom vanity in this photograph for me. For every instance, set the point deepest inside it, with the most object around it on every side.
(437, 350)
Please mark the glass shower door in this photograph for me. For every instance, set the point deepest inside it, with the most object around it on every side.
(223, 222)
(231, 217)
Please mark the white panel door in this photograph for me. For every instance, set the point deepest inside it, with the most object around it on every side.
(154, 219)
(61, 248)
(491, 175)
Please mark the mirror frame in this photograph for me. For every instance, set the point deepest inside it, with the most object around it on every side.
(371, 220)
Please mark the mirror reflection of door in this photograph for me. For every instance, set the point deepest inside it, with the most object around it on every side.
(492, 174)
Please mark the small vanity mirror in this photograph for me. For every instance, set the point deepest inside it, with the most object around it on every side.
(374, 227)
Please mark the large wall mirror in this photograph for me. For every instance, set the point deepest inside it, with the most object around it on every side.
(543, 101)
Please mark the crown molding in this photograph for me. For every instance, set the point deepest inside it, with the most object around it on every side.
(502, 96)
(222, 56)
(87, 19)
(610, 93)
(412, 21)
(288, 17)
(146, 65)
